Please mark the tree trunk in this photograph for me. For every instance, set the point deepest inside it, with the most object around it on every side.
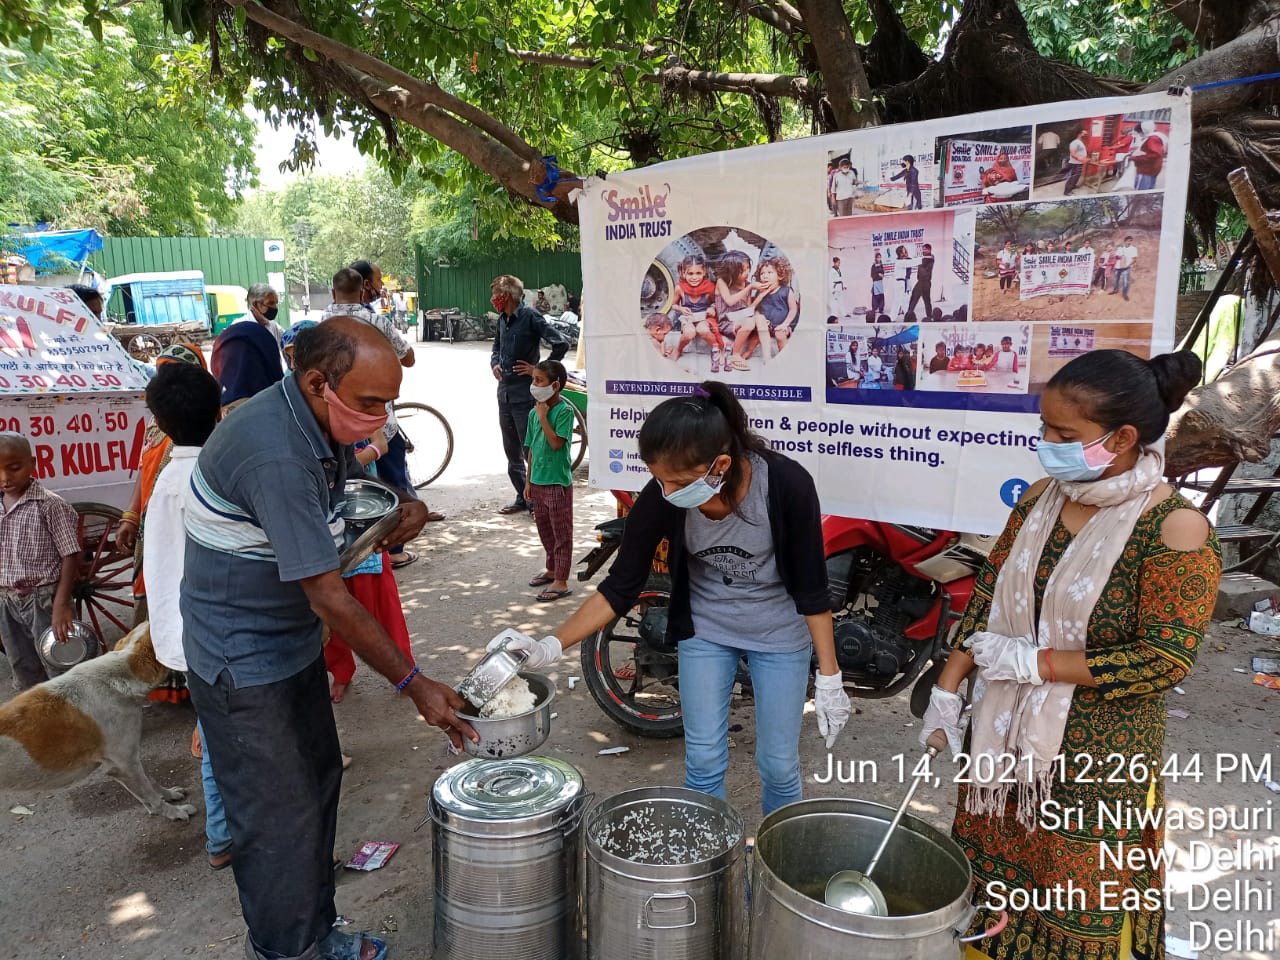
(1231, 420)
(843, 73)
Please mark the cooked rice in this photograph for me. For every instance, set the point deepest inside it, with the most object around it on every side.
(513, 699)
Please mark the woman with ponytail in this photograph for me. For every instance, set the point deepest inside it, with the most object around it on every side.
(1090, 608)
(749, 579)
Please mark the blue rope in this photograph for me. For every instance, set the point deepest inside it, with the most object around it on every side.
(1238, 80)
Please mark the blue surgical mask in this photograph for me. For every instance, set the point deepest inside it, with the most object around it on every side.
(1075, 462)
(694, 494)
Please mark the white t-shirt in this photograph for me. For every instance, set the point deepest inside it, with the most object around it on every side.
(843, 183)
(1079, 152)
(1126, 255)
(1007, 258)
(1049, 140)
(164, 556)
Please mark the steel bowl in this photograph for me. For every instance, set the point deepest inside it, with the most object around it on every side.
(491, 674)
(360, 545)
(82, 644)
(365, 502)
(513, 736)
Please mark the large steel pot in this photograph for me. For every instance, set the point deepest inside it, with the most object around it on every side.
(923, 874)
(506, 855)
(665, 877)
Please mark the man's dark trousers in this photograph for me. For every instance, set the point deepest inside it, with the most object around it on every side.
(275, 755)
(514, 404)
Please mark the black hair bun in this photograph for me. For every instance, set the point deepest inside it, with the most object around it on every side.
(1177, 374)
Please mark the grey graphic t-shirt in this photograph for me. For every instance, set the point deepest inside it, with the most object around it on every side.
(737, 596)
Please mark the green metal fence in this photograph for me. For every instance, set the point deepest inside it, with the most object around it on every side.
(466, 286)
(234, 261)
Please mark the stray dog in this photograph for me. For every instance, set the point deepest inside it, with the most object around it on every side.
(60, 731)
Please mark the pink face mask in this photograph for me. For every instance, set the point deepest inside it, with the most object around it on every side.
(347, 425)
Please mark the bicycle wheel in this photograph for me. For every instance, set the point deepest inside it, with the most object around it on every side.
(103, 592)
(428, 441)
(578, 445)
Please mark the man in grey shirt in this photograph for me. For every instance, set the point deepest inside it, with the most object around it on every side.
(262, 572)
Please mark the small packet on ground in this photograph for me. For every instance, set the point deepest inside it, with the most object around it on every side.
(372, 855)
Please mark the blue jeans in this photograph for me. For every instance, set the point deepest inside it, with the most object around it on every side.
(1122, 280)
(217, 836)
(780, 681)
(1145, 181)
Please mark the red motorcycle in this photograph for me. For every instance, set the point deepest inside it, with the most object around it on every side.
(897, 593)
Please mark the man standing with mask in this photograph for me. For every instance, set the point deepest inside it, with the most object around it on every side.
(516, 352)
(261, 574)
(246, 356)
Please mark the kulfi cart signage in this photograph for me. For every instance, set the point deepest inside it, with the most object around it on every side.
(72, 391)
(889, 303)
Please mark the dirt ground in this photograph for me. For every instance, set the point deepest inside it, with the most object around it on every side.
(90, 875)
(992, 303)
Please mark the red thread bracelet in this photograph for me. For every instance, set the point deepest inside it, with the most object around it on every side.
(1048, 662)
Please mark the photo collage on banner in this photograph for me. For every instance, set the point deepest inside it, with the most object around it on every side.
(887, 303)
(1031, 230)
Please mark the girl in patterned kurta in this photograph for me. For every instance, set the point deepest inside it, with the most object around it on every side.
(1046, 688)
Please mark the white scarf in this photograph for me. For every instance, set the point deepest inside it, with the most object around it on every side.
(1023, 721)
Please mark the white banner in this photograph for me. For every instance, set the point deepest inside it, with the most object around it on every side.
(1060, 274)
(874, 333)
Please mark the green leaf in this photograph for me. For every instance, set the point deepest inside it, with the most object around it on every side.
(311, 54)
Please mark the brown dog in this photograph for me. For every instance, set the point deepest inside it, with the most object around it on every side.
(61, 731)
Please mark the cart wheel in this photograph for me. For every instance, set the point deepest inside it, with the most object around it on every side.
(578, 445)
(103, 594)
(144, 347)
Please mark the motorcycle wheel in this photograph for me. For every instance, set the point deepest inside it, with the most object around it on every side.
(643, 704)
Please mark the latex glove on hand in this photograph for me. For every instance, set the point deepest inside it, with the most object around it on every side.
(831, 704)
(946, 713)
(1006, 658)
(538, 654)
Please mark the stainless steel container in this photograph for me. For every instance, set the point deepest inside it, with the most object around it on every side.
(665, 877)
(59, 656)
(506, 855)
(923, 874)
(513, 736)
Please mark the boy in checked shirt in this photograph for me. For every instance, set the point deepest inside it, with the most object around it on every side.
(39, 559)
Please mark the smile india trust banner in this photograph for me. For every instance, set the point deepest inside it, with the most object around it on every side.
(888, 303)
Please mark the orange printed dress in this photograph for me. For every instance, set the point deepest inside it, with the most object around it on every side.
(1142, 640)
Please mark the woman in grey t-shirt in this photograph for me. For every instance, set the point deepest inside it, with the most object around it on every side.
(748, 573)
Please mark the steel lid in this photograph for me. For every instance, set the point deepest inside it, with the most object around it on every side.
(509, 796)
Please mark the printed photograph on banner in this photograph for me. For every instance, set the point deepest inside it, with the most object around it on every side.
(905, 268)
(1053, 347)
(987, 166)
(1084, 259)
(1103, 154)
(719, 300)
(871, 176)
(870, 357)
(976, 358)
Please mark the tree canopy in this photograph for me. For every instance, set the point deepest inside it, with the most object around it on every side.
(603, 84)
(94, 130)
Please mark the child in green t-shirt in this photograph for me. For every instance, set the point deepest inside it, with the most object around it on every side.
(550, 484)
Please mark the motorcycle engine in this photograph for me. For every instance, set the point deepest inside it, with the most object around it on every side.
(875, 601)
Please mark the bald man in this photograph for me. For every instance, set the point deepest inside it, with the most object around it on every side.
(262, 573)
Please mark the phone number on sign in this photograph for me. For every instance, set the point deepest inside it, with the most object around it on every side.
(1066, 768)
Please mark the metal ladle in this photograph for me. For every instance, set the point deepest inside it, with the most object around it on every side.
(855, 892)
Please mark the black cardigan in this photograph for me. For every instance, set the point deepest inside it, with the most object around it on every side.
(795, 520)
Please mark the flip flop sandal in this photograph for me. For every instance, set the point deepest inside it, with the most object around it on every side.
(541, 581)
(220, 861)
(550, 596)
(434, 517)
(511, 508)
(403, 560)
(340, 945)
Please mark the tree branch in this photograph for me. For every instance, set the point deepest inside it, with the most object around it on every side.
(778, 14)
(1250, 53)
(843, 73)
(344, 55)
(769, 84)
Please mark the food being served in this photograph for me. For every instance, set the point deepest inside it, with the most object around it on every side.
(513, 699)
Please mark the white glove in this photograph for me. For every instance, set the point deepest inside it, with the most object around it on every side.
(508, 636)
(946, 713)
(831, 704)
(538, 654)
(1006, 658)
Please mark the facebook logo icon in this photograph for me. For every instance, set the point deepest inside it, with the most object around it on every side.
(1012, 490)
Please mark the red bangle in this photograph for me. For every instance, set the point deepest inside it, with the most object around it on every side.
(1048, 662)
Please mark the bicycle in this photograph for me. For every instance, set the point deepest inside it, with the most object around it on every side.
(428, 441)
